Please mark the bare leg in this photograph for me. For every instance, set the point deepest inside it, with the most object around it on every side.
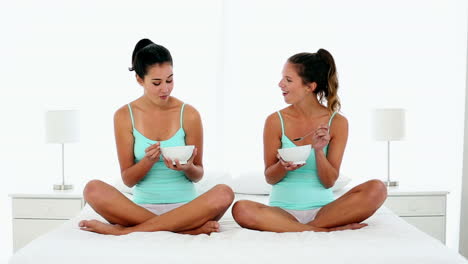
(208, 228)
(115, 207)
(355, 206)
(258, 216)
(191, 218)
(105, 228)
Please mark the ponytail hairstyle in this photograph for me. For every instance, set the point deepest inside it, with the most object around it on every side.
(320, 68)
(147, 53)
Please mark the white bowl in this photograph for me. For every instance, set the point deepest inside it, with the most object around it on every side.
(298, 155)
(181, 153)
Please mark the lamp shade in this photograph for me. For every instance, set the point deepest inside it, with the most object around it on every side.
(388, 124)
(62, 126)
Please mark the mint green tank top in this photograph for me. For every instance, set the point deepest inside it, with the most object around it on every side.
(300, 189)
(161, 185)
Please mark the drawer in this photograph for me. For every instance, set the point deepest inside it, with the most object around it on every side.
(417, 205)
(431, 225)
(25, 230)
(46, 208)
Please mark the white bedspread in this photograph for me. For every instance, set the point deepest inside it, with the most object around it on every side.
(387, 239)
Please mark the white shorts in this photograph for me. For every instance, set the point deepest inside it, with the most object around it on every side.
(159, 209)
(303, 216)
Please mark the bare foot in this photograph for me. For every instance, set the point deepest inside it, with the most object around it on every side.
(208, 228)
(352, 226)
(100, 227)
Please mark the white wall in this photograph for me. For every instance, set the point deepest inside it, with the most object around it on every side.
(228, 57)
(464, 197)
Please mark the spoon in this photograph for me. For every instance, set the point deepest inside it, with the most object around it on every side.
(308, 134)
(301, 138)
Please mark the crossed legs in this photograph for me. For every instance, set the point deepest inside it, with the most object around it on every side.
(345, 212)
(196, 217)
(201, 214)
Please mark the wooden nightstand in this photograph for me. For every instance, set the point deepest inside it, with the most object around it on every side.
(424, 209)
(37, 213)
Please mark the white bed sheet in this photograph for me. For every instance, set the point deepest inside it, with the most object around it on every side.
(387, 239)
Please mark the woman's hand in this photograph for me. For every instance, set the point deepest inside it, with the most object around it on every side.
(321, 137)
(153, 152)
(288, 165)
(180, 167)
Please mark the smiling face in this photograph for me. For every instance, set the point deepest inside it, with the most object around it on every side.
(292, 86)
(158, 82)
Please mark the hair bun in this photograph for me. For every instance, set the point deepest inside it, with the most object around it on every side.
(143, 43)
(147, 53)
(139, 46)
(324, 55)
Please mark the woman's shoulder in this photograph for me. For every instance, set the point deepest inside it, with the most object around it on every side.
(273, 120)
(190, 108)
(275, 117)
(122, 114)
(339, 118)
(338, 123)
(190, 113)
(121, 111)
(122, 118)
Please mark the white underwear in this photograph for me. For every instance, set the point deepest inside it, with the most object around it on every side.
(159, 209)
(303, 216)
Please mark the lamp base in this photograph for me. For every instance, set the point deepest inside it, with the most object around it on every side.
(391, 183)
(62, 187)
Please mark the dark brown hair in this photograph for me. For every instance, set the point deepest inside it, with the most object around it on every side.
(147, 53)
(320, 68)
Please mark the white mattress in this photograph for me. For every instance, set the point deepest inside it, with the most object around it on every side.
(387, 239)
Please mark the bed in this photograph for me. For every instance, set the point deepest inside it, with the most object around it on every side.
(387, 239)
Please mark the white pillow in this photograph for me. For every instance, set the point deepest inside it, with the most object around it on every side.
(340, 183)
(250, 182)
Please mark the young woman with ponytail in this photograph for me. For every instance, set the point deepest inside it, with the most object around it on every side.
(164, 197)
(301, 198)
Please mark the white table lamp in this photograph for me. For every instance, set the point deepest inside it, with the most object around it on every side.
(62, 126)
(389, 125)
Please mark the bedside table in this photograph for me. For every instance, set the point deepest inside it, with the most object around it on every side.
(424, 209)
(37, 213)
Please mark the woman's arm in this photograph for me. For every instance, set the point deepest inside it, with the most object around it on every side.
(275, 169)
(193, 136)
(131, 173)
(328, 166)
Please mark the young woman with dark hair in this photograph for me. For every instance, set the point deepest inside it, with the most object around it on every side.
(164, 195)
